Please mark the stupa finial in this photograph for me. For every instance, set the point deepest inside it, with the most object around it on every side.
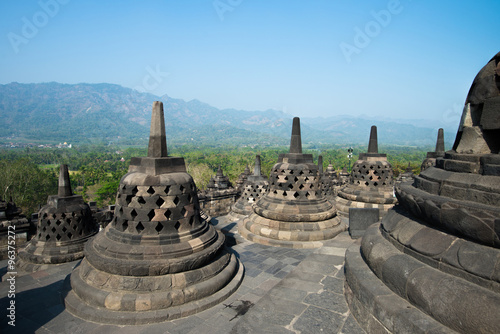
(64, 183)
(440, 142)
(296, 141)
(373, 143)
(157, 139)
(256, 169)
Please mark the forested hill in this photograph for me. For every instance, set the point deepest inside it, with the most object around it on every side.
(104, 113)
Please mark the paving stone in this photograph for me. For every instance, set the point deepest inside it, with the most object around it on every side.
(351, 326)
(333, 284)
(317, 320)
(328, 300)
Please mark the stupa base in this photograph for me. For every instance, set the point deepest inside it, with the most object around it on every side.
(290, 234)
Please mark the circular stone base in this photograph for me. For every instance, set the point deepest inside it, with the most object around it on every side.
(40, 255)
(344, 205)
(289, 234)
(84, 310)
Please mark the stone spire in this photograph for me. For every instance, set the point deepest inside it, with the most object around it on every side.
(296, 141)
(64, 183)
(157, 139)
(256, 169)
(320, 165)
(373, 143)
(440, 143)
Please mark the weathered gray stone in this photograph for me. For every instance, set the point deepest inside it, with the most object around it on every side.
(360, 219)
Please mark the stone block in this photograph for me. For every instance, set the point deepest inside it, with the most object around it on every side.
(490, 117)
(360, 219)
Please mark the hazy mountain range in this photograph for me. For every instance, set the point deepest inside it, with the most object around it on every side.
(108, 113)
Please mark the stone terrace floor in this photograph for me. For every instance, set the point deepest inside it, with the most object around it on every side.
(283, 291)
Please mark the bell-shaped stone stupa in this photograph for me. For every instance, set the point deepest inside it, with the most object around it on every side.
(254, 188)
(158, 259)
(293, 213)
(430, 160)
(433, 264)
(64, 225)
(371, 183)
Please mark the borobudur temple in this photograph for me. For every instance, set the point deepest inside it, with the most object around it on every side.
(433, 264)
(293, 213)
(371, 182)
(65, 224)
(158, 259)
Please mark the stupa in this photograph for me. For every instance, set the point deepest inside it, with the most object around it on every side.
(240, 182)
(293, 213)
(433, 264)
(371, 184)
(327, 180)
(158, 259)
(64, 225)
(219, 196)
(12, 222)
(430, 160)
(254, 188)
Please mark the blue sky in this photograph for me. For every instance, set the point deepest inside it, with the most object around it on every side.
(395, 59)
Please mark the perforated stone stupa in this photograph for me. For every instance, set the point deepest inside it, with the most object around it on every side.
(219, 196)
(240, 182)
(430, 160)
(158, 259)
(433, 264)
(293, 213)
(64, 226)
(12, 220)
(371, 183)
(254, 188)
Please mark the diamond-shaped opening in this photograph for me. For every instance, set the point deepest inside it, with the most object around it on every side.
(150, 190)
(286, 178)
(129, 199)
(63, 215)
(371, 167)
(301, 173)
(68, 220)
(81, 232)
(44, 229)
(58, 237)
(306, 179)
(181, 188)
(151, 214)
(284, 193)
(301, 186)
(168, 214)
(176, 200)
(124, 225)
(183, 212)
(134, 191)
(159, 227)
(367, 183)
(39, 235)
(371, 177)
(53, 230)
(375, 172)
(167, 189)
(291, 171)
(375, 184)
(133, 214)
(48, 222)
(191, 220)
(177, 225)
(275, 192)
(64, 229)
(296, 194)
(160, 201)
(307, 194)
(47, 237)
(44, 216)
(311, 172)
(296, 179)
(312, 186)
(141, 200)
(58, 222)
(69, 235)
(290, 186)
(282, 171)
(190, 198)
(139, 228)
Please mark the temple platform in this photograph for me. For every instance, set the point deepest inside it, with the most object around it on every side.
(283, 291)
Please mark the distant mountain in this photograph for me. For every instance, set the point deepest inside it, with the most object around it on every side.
(103, 113)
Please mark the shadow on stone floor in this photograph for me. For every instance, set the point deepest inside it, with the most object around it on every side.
(33, 308)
